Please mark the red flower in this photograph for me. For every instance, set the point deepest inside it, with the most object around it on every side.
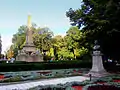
(74, 70)
(77, 87)
(2, 77)
(116, 80)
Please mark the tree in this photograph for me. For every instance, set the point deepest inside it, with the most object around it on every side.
(42, 38)
(58, 43)
(65, 53)
(75, 38)
(19, 38)
(100, 20)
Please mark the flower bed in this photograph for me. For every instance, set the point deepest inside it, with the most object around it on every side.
(77, 87)
(2, 76)
(85, 85)
(40, 74)
(116, 80)
(66, 86)
(105, 83)
(100, 83)
(101, 87)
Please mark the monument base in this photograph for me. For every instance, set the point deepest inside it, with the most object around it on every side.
(29, 48)
(97, 65)
(98, 74)
(29, 58)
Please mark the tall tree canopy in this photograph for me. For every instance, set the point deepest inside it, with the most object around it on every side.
(42, 38)
(100, 20)
(74, 39)
(68, 47)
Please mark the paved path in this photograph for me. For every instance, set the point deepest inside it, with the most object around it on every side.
(25, 86)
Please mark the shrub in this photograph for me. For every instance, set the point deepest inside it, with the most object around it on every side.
(24, 66)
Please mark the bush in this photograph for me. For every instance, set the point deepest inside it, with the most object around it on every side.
(15, 79)
(27, 66)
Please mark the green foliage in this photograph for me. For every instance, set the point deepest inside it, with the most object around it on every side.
(74, 39)
(19, 38)
(80, 52)
(27, 66)
(65, 53)
(15, 79)
(68, 47)
(99, 20)
(42, 38)
(51, 52)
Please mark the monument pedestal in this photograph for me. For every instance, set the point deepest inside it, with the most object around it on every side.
(97, 65)
(29, 52)
(29, 48)
(30, 58)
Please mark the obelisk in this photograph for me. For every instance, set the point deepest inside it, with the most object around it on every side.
(29, 39)
(29, 46)
(28, 53)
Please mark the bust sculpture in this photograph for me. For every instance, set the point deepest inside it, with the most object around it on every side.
(97, 64)
(96, 46)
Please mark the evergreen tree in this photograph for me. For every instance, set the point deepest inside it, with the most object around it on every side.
(100, 20)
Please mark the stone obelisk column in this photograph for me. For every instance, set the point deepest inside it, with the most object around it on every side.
(29, 38)
(29, 46)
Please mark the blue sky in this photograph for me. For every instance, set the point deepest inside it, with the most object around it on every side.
(51, 13)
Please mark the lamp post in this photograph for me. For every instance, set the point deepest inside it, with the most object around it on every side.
(90, 75)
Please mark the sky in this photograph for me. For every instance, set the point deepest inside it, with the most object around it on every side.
(50, 13)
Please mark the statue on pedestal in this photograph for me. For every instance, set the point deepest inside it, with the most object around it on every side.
(96, 46)
(97, 64)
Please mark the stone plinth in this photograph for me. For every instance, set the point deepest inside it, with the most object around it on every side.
(29, 48)
(29, 54)
(97, 65)
(30, 58)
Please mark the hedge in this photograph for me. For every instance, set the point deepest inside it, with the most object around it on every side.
(27, 66)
